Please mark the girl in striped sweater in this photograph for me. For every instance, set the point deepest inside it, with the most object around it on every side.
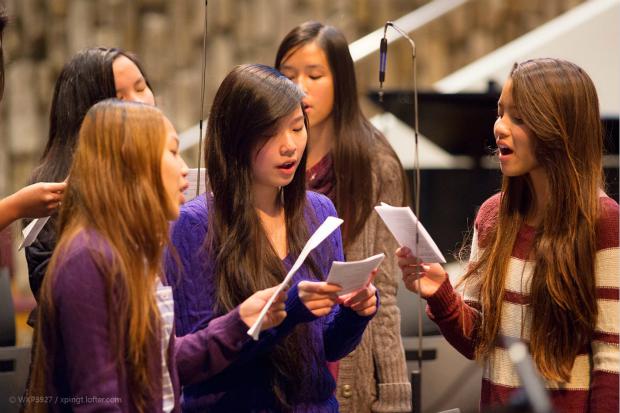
(544, 257)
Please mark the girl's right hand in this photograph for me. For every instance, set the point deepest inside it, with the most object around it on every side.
(431, 276)
(40, 199)
(250, 309)
(318, 297)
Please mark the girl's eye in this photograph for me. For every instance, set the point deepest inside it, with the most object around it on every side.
(315, 77)
(298, 129)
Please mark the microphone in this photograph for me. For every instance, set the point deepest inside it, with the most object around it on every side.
(202, 99)
(382, 63)
(532, 397)
(416, 374)
(535, 393)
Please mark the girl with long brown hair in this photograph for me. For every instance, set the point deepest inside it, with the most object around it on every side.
(353, 164)
(544, 256)
(245, 235)
(105, 326)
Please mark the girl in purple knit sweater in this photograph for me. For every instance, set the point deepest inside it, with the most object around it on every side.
(245, 235)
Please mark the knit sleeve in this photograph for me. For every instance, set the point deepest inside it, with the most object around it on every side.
(457, 320)
(205, 353)
(79, 294)
(605, 350)
(393, 387)
(184, 268)
(457, 313)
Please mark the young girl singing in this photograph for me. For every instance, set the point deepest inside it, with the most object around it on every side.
(544, 257)
(245, 235)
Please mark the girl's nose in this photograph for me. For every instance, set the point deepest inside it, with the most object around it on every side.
(500, 129)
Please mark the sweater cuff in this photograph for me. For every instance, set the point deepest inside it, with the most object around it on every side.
(393, 397)
(234, 326)
(442, 303)
(349, 313)
(296, 310)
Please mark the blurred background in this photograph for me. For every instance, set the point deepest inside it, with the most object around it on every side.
(465, 50)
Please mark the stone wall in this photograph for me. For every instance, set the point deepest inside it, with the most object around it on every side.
(168, 37)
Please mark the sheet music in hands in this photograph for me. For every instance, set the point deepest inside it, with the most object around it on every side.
(192, 180)
(31, 232)
(327, 227)
(401, 221)
(353, 275)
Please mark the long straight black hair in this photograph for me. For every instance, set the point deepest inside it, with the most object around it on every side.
(356, 140)
(246, 112)
(86, 79)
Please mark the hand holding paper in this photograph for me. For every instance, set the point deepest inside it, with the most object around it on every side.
(250, 309)
(364, 301)
(354, 275)
(402, 223)
(319, 297)
(424, 279)
(327, 227)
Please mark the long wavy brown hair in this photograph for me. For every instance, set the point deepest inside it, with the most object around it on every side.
(246, 111)
(116, 171)
(356, 140)
(558, 102)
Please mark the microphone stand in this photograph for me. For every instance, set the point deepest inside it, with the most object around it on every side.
(202, 99)
(416, 374)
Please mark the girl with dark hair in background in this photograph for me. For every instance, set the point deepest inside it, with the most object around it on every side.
(352, 163)
(105, 329)
(90, 76)
(245, 236)
(544, 256)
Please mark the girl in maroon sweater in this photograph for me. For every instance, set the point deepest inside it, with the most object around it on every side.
(544, 257)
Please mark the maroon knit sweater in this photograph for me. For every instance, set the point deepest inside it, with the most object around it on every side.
(593, 386)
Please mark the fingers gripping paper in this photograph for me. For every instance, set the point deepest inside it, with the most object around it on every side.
(402, 223)
(353, 275)
(327, 227)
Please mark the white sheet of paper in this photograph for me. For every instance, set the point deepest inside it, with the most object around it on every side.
(353, 275)
(327, 227)
(401, 221)
(31, 232)
(192, 179)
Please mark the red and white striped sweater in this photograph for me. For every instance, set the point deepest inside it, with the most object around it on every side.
(593, 386)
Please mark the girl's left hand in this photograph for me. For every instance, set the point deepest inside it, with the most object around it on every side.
(364, 301)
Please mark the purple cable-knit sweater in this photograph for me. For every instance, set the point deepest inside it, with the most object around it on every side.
(245, 385)
(84, 374)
